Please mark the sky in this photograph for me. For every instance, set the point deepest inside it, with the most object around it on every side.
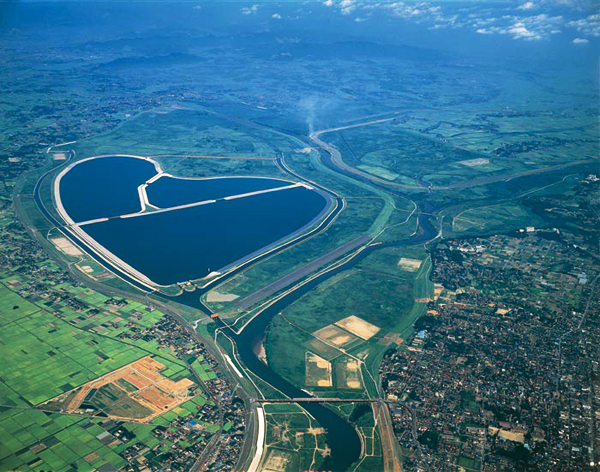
(578, 21)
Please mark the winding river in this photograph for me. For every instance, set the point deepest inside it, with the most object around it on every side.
(342, 438)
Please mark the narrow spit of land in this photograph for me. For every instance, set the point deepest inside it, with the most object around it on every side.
(302, 271)
(194, 204)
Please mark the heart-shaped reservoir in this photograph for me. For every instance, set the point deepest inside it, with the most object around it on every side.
(164, 230)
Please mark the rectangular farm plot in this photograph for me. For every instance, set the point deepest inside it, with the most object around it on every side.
(318, 371)
(359, 327)
(279, 460)
(379, 171)
(135, 392)
(409, 265)
(480, 161)
(337, 336)
(324, 350)
(13, 307)
(347, 373)
(39, 366)
(66, 246)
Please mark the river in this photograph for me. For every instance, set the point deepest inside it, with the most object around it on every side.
(342, 438)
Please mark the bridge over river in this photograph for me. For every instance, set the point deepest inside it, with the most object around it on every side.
(318, 400)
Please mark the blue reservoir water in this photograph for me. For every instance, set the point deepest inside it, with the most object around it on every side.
(181, 245)
(104, 187)
(169, 192)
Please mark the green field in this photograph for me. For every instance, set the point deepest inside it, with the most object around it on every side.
(34, 440)
(179, 130)
(389, 297)
(291, 439)
(51, 345)
(39, 366)
(13, 307)
(504, 217)
(395, 153)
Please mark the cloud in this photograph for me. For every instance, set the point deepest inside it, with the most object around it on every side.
(249, 10)
(422, 12)
(579, 41)
(529, 28)
(589, 26)
(276, 16)
(527, 6)
(347, 6)
(520, 31)
(358, 19)
(517, 22)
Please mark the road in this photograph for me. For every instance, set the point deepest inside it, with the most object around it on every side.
(317, 400)
(389, 445)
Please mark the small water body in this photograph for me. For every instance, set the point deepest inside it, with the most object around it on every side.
(104, 187)
(169, 191)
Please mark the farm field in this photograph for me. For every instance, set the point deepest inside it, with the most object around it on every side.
(136, 391)
(399, 155)
(383, 311)
(294, 441)
(86, 343)
(459, 143)
(493, 218)
(178, 130)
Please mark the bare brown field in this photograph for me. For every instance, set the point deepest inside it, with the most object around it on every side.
(348, 374)
(318, 371)
(475, 162)
(67, 247)
(359, 327)
(277, 460)
(137, 384)
(334, 335)
(409, 265)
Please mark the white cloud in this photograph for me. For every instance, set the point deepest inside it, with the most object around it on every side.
(527, 6)
(529, 28)
(589, 26)
(347, 6)
(580, 41)
(524, 25)
(276, 16)
(359, 19)
(520, 31)
(422, 12)
(249, 10)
